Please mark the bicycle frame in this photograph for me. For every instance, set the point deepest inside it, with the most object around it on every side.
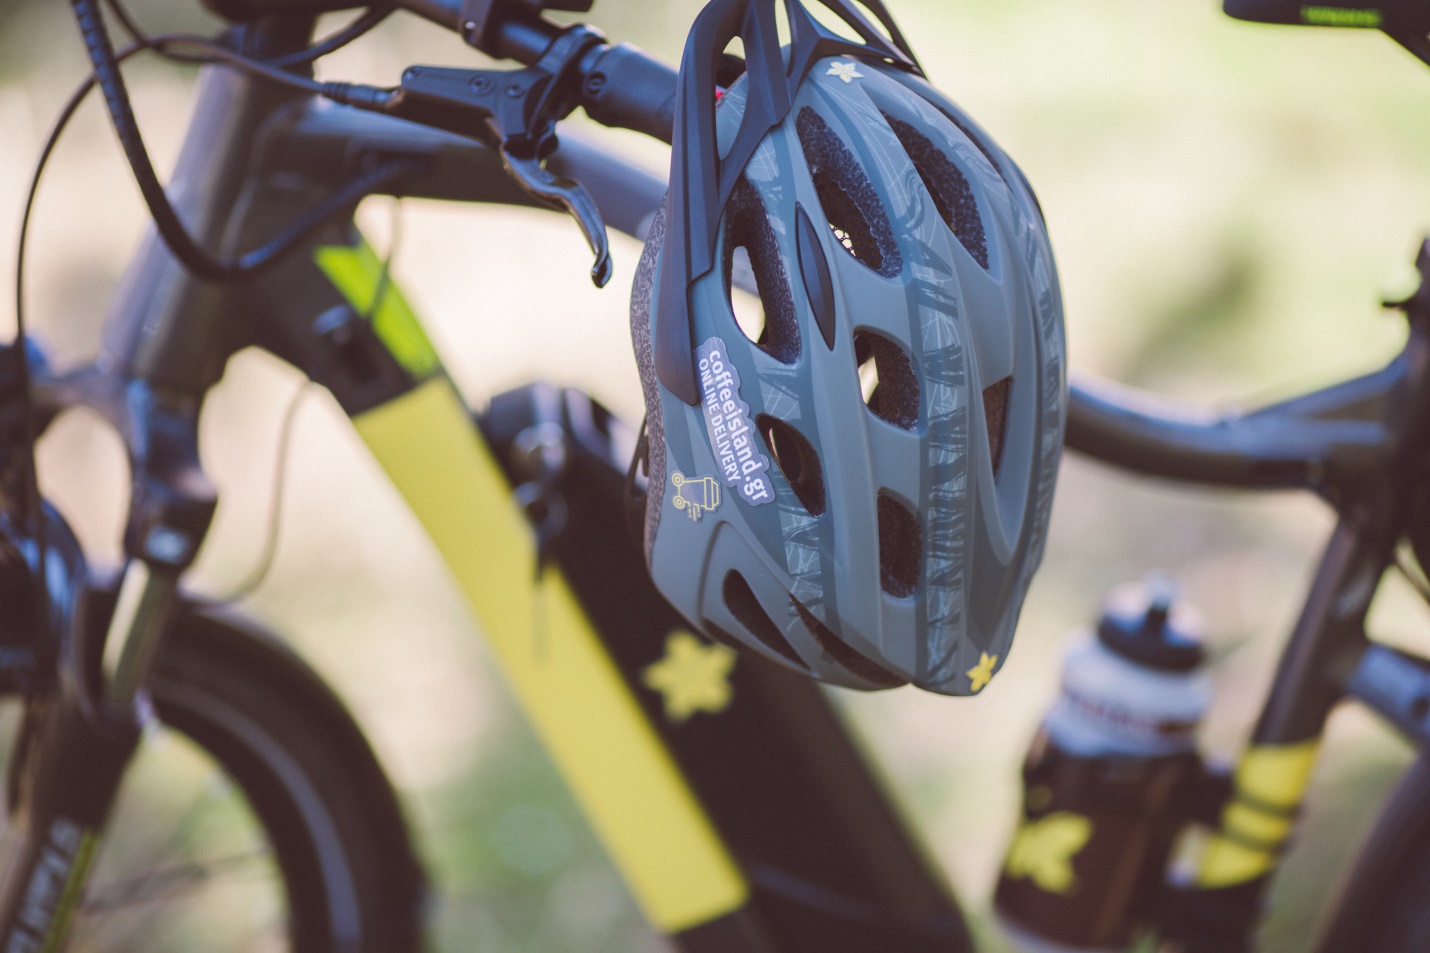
(756, 825)
(828, 862)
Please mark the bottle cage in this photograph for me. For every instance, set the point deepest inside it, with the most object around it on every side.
(701, 182)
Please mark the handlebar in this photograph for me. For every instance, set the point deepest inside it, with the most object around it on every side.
(627, 89)
(619, 85)
(1331, 440)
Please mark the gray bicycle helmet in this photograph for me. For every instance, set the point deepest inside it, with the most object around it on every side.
(860, 489)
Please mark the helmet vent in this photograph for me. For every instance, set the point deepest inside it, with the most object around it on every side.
(886, 379)
(900, 547)
(850, 204)
(951, 193)
(995, 415)
(846, 656)
(797, 461)
(740, 599)
(748, 308)
(769, 320)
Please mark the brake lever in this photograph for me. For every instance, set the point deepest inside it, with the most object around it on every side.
(544, 185)
(514, 112)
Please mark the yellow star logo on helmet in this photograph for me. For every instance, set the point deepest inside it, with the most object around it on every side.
(982, 673)
(691, 677)
(845, 71)
(1044, 850)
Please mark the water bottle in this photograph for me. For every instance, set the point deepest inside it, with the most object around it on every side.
(1105, 776)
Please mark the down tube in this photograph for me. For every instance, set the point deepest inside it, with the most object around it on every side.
(626, 781)
(760, 829)
(368, 348)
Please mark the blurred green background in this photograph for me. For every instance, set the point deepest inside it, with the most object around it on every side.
(1227, 202)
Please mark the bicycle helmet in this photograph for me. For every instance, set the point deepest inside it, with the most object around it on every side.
(859, 489)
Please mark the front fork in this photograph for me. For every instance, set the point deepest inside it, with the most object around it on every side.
(70, 766)
(83, 725)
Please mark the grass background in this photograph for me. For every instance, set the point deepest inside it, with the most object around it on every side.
(1227, 203)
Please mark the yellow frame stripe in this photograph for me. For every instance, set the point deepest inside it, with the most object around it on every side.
(1254, 825)
(1269, 778)
(612, 759)
(356, 272)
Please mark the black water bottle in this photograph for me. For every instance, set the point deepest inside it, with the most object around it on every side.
(1103, 777)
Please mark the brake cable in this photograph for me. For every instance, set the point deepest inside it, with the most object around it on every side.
(360, 26)
(166, 219)
(164, 45)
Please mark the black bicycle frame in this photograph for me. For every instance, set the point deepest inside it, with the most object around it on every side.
(794, 845)
(817, 857)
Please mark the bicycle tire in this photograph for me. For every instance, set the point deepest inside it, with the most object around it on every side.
(1382, 907)
(350, 881)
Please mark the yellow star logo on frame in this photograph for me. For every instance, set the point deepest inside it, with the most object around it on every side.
(982, 673)
(691, 677)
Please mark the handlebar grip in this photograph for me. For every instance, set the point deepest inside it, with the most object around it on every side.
(624, 87)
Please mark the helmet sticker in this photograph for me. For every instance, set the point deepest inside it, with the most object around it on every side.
(844, 71)
(695, 495)
(727, 422)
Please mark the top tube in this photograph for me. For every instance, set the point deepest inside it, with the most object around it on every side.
(1328, 441)
(1325, 441)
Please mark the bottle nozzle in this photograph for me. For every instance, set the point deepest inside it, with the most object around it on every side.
(1139, 623)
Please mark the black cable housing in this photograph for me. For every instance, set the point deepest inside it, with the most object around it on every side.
(360, 26)
(32, 506)
(166, 219)
(169, 45)
(116, 96)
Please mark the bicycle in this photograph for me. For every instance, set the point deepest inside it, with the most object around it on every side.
(829, 865)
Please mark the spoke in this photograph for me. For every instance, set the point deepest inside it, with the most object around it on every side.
(212, 791)
(166, 882)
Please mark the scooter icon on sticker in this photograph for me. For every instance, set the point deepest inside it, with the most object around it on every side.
(696, 495)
